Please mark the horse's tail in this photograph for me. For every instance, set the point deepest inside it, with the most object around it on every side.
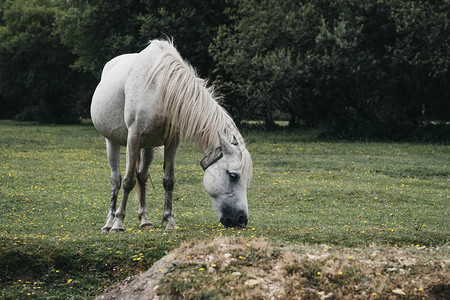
(139, 184)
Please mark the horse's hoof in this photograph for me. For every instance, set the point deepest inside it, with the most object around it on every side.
(148, 225)
(106, 229)
(171, 226)
(117, 229)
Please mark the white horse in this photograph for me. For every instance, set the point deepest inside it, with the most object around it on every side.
(154, 98)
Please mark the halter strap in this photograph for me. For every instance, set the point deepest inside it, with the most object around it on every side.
(211, 158)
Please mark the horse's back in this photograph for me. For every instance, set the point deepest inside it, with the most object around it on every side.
(126, 59)
(108, 101)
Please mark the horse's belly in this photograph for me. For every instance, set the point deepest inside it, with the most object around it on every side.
(107, 113)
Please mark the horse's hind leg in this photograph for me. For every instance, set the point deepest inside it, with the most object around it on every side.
(142, 177)
(129, 180)
(169, 180)
(113, 152)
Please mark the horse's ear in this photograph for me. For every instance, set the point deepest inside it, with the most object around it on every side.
(235, 142)
(227, 147)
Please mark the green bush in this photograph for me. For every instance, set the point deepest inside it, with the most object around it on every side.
(36, 82)
(357, 68)
(352, 68)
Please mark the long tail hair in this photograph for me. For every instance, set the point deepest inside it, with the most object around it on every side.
(140, 186)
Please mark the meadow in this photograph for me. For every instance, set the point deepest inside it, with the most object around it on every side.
(54, 196)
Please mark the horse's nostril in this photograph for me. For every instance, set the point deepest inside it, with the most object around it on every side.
(226, 222)
(242, 221)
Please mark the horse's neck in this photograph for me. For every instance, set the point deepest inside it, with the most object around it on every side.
(188, 105)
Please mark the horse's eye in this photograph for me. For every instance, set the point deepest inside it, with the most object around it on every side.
(234, 177)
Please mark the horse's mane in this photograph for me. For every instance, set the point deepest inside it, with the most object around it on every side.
(190, 107)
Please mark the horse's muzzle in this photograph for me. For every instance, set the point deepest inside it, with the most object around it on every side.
(238, 220)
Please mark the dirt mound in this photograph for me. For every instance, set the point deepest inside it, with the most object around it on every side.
(248, 269)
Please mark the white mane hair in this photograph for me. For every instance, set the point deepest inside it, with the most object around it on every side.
(190, 107)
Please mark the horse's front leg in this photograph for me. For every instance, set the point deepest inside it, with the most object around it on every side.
(129, 180)
(169, 180)
(113, 153)
(142, 177)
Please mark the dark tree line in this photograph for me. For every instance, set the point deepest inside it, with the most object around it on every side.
(353, 67)
(379, 67)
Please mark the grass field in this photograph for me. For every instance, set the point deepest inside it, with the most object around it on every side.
(54, 194)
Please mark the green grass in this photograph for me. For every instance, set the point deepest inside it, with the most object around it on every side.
(54, 196)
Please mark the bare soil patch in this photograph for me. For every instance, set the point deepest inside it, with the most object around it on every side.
(227, 268)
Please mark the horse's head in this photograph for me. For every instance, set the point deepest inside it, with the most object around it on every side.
(228, 171)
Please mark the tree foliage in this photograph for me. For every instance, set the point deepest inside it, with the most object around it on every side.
(100, 30)
(378, 67)
(262, 56)
(36, 82)
(354, 67)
